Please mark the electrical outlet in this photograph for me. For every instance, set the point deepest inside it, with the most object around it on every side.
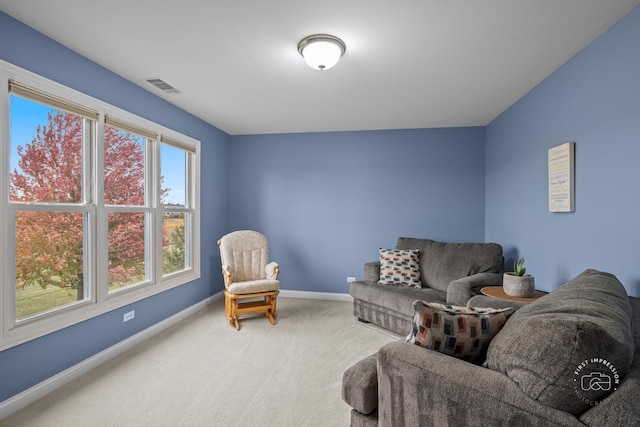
(351, 279)
(129, 315)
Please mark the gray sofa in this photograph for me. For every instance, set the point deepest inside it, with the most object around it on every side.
(448, 272)
(545, 367)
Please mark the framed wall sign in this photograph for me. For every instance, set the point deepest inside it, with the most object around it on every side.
(562, 178)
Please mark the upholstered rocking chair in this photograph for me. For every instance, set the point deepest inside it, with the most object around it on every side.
(248, 274)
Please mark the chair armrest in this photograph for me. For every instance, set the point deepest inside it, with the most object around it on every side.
(226, 273)
(417, 386)
(372, 272)
(272, 270)
(459, 291)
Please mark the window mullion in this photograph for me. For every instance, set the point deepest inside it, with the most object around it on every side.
(158, 212)
(150, 202)
(88, 192)
(101, 271)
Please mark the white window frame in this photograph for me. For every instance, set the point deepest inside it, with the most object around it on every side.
(99, 300)
(192, 245)
(150, 139)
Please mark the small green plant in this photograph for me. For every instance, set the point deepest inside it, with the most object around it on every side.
(518, 267)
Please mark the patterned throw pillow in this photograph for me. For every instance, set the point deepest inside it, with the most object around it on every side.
(462, 332)
(400, 267)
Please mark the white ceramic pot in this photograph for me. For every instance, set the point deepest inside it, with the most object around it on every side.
(518, 286)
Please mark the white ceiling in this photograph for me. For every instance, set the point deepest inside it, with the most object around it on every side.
(408, 64)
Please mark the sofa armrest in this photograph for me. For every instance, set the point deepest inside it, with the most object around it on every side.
(484, 301)
(620, 408)
(459, 291)
(422, 387)
(372, 272)
(360, 385)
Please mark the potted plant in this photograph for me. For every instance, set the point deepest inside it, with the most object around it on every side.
(518, 283)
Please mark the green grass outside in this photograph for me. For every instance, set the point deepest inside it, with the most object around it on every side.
(34, 299)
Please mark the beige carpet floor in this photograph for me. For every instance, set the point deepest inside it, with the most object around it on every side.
(202, 372)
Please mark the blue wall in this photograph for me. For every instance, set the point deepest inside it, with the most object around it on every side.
(593, 100)
(23, 366)
(328, 201)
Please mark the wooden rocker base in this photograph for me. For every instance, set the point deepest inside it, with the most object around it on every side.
(234, 308)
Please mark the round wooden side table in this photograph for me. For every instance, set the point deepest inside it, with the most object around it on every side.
(498, 292)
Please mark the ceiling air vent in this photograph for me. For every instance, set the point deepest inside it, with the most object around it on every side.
(162, 85)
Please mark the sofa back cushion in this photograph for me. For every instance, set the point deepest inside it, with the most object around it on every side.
(559, 348)
(441, 263)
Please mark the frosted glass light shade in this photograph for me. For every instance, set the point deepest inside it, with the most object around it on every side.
(321, 51)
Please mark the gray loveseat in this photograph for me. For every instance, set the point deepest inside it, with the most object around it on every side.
(448, 271)
(571, 358)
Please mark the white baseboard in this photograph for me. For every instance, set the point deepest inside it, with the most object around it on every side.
(329, 296)
(27, 397)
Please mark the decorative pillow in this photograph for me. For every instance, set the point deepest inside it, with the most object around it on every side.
(462, 332)
(400, 267)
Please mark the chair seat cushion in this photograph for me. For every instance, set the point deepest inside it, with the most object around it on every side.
(254, 286)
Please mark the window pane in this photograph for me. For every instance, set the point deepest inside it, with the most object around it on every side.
(123, 168)
(46, 153)
(49, 261)
(173, 169)
(126, 249)
(173, 242)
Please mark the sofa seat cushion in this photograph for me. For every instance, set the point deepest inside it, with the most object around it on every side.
(396, 298)
(462, 332)
(441, 263)
(360, 385)
(547, 346)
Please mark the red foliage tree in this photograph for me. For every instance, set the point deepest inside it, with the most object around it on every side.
(49, 244)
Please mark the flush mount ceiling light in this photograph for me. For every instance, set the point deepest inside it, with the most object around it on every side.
(321, 51)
